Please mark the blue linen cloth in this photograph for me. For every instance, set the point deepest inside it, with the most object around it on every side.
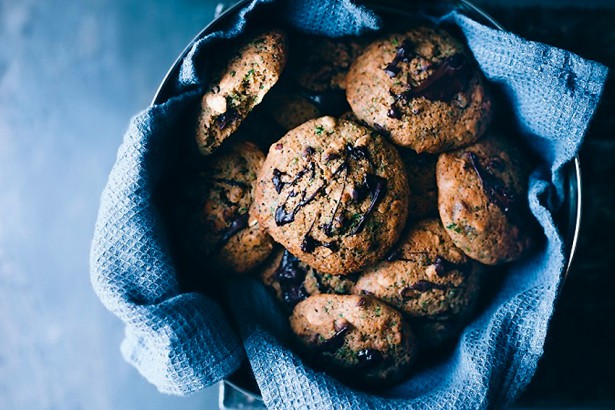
(182, 342)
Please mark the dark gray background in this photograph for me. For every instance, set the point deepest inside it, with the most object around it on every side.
(72, 73)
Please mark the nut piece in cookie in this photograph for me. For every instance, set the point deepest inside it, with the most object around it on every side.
(427, 278)
(220, 226)
(239, 87)
(293, 280)
(482, 200)
(359, 338)
(421, 87)
(333, 193)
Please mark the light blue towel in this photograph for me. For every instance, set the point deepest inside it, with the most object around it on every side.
(184, 342)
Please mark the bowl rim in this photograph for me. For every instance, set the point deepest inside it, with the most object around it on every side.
(569, 225)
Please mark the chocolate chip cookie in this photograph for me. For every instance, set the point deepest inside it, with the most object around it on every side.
(422, 88)
(333, 193)
(314, 82)
(358, 337)
(320, 64)
(221, 227)
(482, 200)
(293, 281)
(426, 276)
(240, 86)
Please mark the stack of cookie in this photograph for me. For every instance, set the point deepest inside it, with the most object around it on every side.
(373, 216)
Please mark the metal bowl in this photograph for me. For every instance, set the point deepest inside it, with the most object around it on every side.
(240, 390)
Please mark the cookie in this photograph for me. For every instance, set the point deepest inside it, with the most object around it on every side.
(426, 276)
(321, 64)
(289, 109)
(334, 194)
(240, 86)
(293, 281)
(221, 227)
(314, 82)
(482, 200)
(421, 170)
(422, 88)
(358, 337)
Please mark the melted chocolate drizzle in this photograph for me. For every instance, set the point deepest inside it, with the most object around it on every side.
(377, 187)
(369, 358)
(493, 187)
(291, 276)
(374, 184)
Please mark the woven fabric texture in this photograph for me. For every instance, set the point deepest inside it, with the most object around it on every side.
(182, 342)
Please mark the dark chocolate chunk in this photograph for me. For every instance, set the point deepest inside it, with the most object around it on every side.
(226, 118)
(403, 54)
(449, 78)
(377, 187)
(238, 224)
(308, 151)
(277, 180)
(337, 340)
(309, 244)
(424, 286)
(330, 102)
(290, 276)
(394, 112)
(443, 266)
(493, 186)
(358, 153)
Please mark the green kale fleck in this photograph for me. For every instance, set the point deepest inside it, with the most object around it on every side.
(319, 130)
(454, 227)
